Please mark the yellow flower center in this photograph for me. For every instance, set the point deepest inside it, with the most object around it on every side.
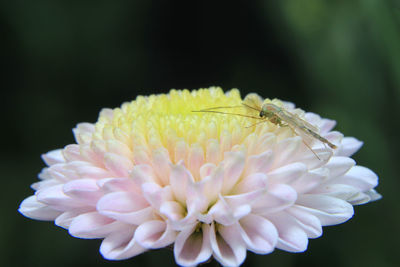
(168, 119)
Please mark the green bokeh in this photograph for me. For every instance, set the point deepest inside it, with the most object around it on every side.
(65, 60)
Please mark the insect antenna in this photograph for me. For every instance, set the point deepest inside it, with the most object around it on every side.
(254, 124)
(228, 113)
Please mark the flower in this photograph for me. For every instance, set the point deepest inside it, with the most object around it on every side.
(153, 174)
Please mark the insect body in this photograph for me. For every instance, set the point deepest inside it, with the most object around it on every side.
(280, 116)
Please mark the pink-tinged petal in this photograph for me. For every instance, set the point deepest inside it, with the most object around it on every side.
(259, 234)
(85, 190)
(195, 160)
(285, 150)
(225, 214)
(121, 245)
(213, 151)
(181, 151)
(288, 173)
(292, 237)
(179, 179)
(65, 219)
(233, 168)
(258, 163)
(339, 165)
(45, 174)
(127, 207)
(83, 132)
(328, 210)
(308, 222)
(349, 146)
(53, 157)
(192, 245)
(342, 191)
(310, 180)
(91, 172)
(85, 150)
(173, 210)
(143, 173)
(266, 142)
(141, 155)
(55, 198)
(72, 153)
(359, 177)
(109, 185)
(45, 184)
(107, 113)
(334, 137)
(327, 125)
(227, 244)
(314, 158)
(313, 119)
(93, 225)
(278, 197)
(207, 169)
(34, 209)
(117, 164)
(99, 148)
(119, 148)
(373, 195)
(251, 183)
(154, 234)
(161, 165)
(156, 195)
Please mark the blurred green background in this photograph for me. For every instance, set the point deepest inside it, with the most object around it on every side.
(65, 60)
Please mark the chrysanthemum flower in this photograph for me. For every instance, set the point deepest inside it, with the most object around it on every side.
(154, 174)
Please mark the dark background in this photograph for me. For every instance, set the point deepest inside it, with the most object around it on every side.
(65, 60)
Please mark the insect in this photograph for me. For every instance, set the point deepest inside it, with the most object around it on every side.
(279, 116)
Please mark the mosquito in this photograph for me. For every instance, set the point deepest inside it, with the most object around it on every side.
(279, 116)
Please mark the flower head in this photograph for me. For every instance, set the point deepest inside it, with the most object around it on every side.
(153, 174)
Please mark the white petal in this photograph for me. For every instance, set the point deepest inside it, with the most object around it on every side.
(308, 222)
(65, 219)
(251, 183)
(328, 210)
(233, 168)
(349, 146)
(121, 245)
(117, 164)
(161, 165)
(288, 173)
(310, 180)
(109, 185)
(143, 173)
(179, 179)
(359, 177)
(54, 197)
(93, 225)
(259, 234)
(339, 165)
(192, 245)
(173, 210)
(126, 207)
(227, 244)
(156, 195)
(291, 237)
(72, 153)
(154, 234)
(53, 157)
(85, 190)
(34, 209)
(258, 163)
(278, 197)
(285, 150)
